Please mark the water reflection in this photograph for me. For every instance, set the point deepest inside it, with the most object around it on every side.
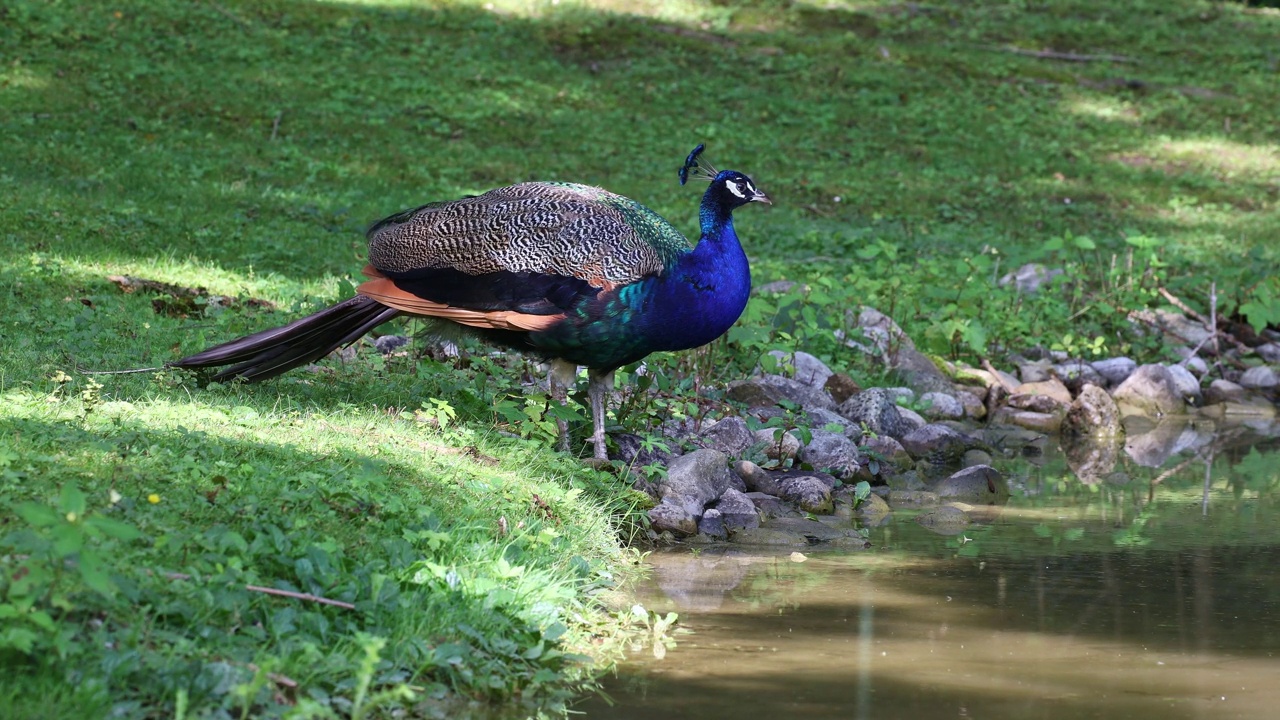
(1139, 596)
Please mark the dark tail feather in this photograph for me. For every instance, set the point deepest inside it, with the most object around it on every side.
(272, 352)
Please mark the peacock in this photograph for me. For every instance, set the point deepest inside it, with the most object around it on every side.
(569, 273)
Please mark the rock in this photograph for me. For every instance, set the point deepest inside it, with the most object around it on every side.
(812, 530)
(976, 457)
(875, 409)
(1269, 352)
(756, 478)
(1036, 403)
(1114, 370)
(1175, 325)
(807, 369)
(919, 372)
(841, 387)
(1093, 414)
(819, 420)
(728, 435)
(807, 492)
(1150, 391)
(887, 449)
(1030, 277)
(773, 389)
(388, 344)
(873, 510)
(778, 445)
(769, 537)
(1262, 377)
(945, 520)
(695, 480)
(1225, 391)
(980, 485)
(974, 407)
(1255, 408)
(1034, 372)
(767, 505)
(672, 516)
(712, 525)
(911, 420)
(1041, 422)
(1186, 383)
(833, 453)
(912, 498)
(1196, 365)
(638, 452)
(938, 444)
(737, 510)
(879, 334)
(942, 406)
(1075, 372)
(1052, 389)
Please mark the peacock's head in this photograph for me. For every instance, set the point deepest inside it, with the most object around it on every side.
(729, 188)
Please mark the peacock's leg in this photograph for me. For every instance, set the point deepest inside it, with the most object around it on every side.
(559, 377)
(598, 386)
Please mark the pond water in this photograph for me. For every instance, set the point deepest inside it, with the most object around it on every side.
(1152, 593)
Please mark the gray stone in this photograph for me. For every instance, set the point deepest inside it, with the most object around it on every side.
(1093, 414)
(1270, 352)
(878, 334)
(1091, 458)
(972, 402)
(388, 344)
(873, 510)
(911, 420)
(1196, 365)
(888, 450)
(712, 525)
(819, 419)
(841, 387)
(1078, 371)
(939, 444)
(806, 368)
(833, 453)
(777, 445)
(1187, 383)
(1150, 391)
(1114, 370)
(695, 480)
(728, 435)
(1262, 377)
(1174, 325)
(980, 485)
(672, 516)
(1034, 372)
(976, 457)
(767, 505)
(875, 409)
(756, 478)
(945, 520)
(773, 389)
(919, 372)
(737, 510)
(1152, 444)
(1225, 391)
(1036, 402)
(1043, 422)
(638, 452)
(812, 530)
(807, 492)
(942, 406)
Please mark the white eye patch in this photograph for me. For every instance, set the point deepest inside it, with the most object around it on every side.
(736, 189)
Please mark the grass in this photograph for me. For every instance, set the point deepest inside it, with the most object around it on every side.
(243, 147)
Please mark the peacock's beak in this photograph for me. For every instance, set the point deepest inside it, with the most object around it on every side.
(761, 197)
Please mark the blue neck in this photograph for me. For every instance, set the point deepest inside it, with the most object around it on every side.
(705, 291)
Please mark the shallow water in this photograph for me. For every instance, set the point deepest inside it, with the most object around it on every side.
(1155, 594)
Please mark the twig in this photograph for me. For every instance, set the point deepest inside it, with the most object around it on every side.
(986, 365)
(1067, 56)
(1177, 302)
(275, 125)
(300, 596)
(1213, 316)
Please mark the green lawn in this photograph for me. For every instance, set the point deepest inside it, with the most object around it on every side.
(242, 147)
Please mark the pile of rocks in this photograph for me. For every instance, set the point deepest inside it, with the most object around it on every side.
(940, 457)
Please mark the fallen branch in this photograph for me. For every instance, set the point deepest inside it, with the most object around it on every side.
(300, 596)
(986, 365)
(1067, 56)
(1178, 303)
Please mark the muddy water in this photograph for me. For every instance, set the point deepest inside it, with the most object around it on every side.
(1152, 594)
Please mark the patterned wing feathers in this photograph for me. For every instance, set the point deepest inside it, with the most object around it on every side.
(568, 230)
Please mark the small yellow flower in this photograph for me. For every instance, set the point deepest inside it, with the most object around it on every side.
(153, 498)
(71, 517)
